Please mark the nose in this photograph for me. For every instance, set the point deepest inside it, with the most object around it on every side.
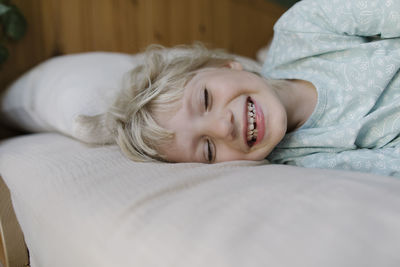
(222, 126)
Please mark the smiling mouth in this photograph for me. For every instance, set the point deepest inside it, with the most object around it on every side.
(252, 130)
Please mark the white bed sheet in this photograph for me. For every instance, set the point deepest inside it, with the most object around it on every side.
(89, 206)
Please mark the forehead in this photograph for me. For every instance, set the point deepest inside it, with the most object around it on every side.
(194, 81)
(179, 120)
(182, 147)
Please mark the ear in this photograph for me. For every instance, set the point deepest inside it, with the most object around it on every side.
(234, 65)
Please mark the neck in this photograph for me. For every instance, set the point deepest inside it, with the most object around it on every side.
(299, 98)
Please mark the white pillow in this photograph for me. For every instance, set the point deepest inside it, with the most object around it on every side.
(53, 94)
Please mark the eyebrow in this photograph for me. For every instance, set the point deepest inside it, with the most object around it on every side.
(195, 105)
(196, 151)
(201, 153)
(194, 108)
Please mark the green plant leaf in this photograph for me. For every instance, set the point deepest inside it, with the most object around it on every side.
(14, 23)
(3, 53)
(3, 9)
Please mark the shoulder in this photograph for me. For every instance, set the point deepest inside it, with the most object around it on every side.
(308, 16)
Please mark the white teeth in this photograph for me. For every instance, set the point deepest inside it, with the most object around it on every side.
(251, 118)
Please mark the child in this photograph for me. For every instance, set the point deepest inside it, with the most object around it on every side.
(328, 96)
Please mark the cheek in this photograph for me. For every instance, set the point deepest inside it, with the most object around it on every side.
(223, 95)
(232, 155)
(229, 89)
(225, 153)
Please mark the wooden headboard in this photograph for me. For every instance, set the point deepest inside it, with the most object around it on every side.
(13, 252)
(61, 27)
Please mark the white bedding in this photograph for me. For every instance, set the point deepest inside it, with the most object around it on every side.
(87, 206)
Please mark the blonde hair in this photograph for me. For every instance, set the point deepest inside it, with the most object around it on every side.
(155, 86)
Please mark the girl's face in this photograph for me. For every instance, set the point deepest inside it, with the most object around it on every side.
(226, 114)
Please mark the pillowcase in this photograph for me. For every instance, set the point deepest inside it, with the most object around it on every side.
(51, 96)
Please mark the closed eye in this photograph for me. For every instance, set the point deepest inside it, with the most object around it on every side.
(210, 151)
(206, 101)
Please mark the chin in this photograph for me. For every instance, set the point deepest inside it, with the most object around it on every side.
(259, 155)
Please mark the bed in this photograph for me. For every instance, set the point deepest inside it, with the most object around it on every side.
(90, 206)
(83, 205)
(67, 203)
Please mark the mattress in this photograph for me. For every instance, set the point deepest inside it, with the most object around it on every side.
(81, 205)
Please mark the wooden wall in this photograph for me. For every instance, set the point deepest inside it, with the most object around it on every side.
(58, 27)
(2, 256)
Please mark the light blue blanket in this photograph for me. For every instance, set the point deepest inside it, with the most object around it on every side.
(350, 51)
